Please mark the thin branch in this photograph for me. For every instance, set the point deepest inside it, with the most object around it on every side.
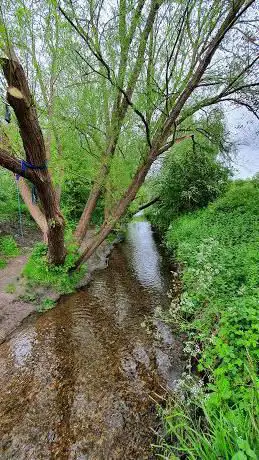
(171, 143)
(244, 104)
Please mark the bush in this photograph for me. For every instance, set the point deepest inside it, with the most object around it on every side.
(191, 177)
(218, 307)
(39, 272)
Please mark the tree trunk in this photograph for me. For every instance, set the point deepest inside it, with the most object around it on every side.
(34, 209)
(121, 208)
(146, 205)
(95, 193)
(85, 218)
(21, 100)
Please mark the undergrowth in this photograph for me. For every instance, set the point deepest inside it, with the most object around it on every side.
(46, 304)
(39, 272)
(218, 310)
(8, 248)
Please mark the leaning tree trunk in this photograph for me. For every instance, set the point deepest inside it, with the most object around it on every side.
(118, 212)
(33, 208)
(85, 218)
(123, 204)
(21, 100)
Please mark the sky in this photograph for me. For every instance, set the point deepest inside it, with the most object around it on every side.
(244, 131)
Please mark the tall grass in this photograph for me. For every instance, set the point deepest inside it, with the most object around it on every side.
(195, 430)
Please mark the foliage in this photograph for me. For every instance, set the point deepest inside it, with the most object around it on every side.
(113, 98)
(3, 263)
(39, 271)
(199, 431)
(8, 246)
(46, 304)
(74, 196)
(8, 200)
(192, 175)
(218, 307)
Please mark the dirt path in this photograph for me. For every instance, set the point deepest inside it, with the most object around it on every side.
(12, 310)
(12, 272)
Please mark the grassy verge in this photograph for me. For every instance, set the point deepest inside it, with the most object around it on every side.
(218, 310)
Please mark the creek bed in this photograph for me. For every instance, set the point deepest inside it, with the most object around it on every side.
(80, 381)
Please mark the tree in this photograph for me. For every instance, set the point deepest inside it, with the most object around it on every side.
(194, 176)
(151, 65)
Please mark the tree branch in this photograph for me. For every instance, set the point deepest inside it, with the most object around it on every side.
(172, 142)
(14, 165)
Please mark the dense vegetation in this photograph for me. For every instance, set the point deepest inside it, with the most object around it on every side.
(196, 174)
(218, 311)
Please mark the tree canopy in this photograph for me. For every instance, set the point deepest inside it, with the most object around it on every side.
(100, 90)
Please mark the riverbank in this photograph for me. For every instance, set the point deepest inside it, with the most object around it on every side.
(20, 296)
(215, 413)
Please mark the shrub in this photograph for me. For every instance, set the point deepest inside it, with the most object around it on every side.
(191, 177)
(46, 304)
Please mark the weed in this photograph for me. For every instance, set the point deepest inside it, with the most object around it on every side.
(39, 272)
(28, 297)
(46, 304)
(3, 263)
(196, 430)
(8, 246)
(10, 288)
(218, 310)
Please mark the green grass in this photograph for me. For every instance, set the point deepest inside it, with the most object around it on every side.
(46, 304)
(8, 248)
(39, 272)
(198, 431)
(218, 310)
(3, 263)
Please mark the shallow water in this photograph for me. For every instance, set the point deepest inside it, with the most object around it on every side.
(81, 381)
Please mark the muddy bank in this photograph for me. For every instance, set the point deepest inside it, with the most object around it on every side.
(81, 381)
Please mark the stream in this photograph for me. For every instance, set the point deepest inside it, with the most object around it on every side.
(81, 381)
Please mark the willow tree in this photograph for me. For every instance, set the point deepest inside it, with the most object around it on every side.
(151, 65)
(163, 62)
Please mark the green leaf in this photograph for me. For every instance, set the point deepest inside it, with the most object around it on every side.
(239, 456)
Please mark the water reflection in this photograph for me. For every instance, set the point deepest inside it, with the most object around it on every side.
(145, 258)
(22, 346)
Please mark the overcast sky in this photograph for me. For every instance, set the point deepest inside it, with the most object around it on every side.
(244, 130)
